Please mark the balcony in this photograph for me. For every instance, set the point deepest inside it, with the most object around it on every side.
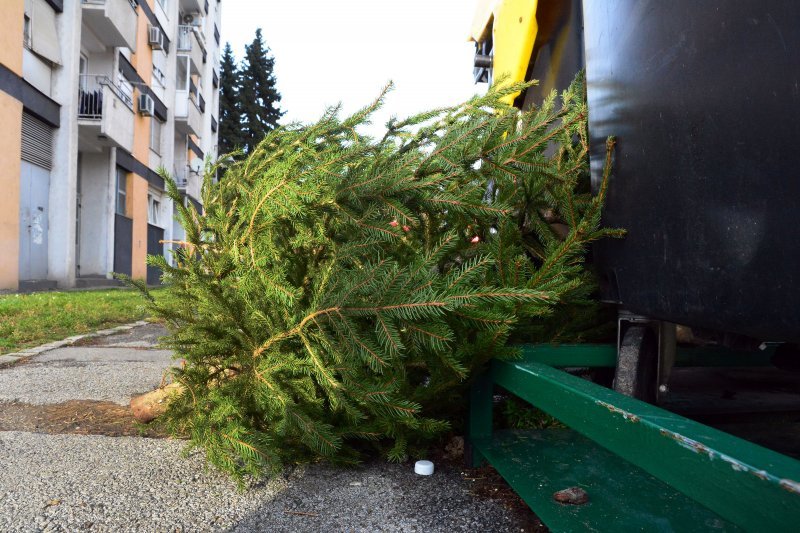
(112, 21)
(105, 114)
(188, 117)
(182, 179)
(190, 44)
(188, 181)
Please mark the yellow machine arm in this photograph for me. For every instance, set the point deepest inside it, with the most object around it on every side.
(513, 28)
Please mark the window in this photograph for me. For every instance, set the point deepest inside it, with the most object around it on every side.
(125, 87)
(122, 191)
(26, 32)
(153, 209)
(182, 74)
(43, 31)
(155, 135)
(160, 67)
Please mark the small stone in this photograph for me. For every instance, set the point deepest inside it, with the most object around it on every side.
(355, 483)
(571, 496)
(455, 448)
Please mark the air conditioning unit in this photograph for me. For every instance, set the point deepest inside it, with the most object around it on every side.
(192, 19)
(156, 37)
(146, 105)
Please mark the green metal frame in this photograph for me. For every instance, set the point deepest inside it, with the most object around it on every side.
(605, 355)
(745, 484)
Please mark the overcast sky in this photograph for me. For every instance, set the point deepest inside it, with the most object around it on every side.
(327, 51)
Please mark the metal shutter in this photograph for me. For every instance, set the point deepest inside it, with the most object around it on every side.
(37, 142)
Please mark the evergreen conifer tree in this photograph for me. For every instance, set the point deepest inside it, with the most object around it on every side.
(258, 97)
(340, 290)
(230, 106)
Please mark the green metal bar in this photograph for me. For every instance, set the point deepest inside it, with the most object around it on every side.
(480, 415)
(605, 355)
(571, 355)
(751, 486)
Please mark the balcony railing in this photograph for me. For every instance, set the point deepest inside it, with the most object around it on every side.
(102, 2)
(185, 38)
(90, 95)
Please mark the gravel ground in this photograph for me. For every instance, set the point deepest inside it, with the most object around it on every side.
(378, 497)
(75, 482)
(79, 483)
(69, 482)
(106, 374)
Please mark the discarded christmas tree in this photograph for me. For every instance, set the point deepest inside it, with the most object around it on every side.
(341, 289)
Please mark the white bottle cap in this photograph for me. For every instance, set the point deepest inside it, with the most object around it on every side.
(423, 468)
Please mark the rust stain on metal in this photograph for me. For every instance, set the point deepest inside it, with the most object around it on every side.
(735, 464)
(791, 486)
(630, 417)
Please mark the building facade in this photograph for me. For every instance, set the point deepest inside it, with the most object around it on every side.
(96, 96)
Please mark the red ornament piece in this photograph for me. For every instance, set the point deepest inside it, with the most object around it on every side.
(475, 239)
(394, 223)
(406, 228)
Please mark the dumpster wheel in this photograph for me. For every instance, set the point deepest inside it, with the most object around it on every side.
(637, 362)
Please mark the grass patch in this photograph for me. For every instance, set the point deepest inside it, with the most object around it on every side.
(28, 320)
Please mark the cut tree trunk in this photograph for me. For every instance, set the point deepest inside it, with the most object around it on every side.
(150, 405)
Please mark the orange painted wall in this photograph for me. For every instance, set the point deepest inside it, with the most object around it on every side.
(11, 15)
(139, 215)
(142, 61)
(10, 139)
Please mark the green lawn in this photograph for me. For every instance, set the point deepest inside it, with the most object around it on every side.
(31, 319)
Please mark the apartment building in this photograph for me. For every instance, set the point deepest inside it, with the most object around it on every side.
(95, 97)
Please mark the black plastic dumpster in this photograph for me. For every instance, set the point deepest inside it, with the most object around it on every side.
(704, 99)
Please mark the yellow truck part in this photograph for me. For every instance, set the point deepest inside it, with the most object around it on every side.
(513, 28)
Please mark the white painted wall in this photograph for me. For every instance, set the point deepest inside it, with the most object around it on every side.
(111, 209)
(162, 17)
(96, 197)
(169, 21)
(63, 182)
(208, 139)
(102, 64)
